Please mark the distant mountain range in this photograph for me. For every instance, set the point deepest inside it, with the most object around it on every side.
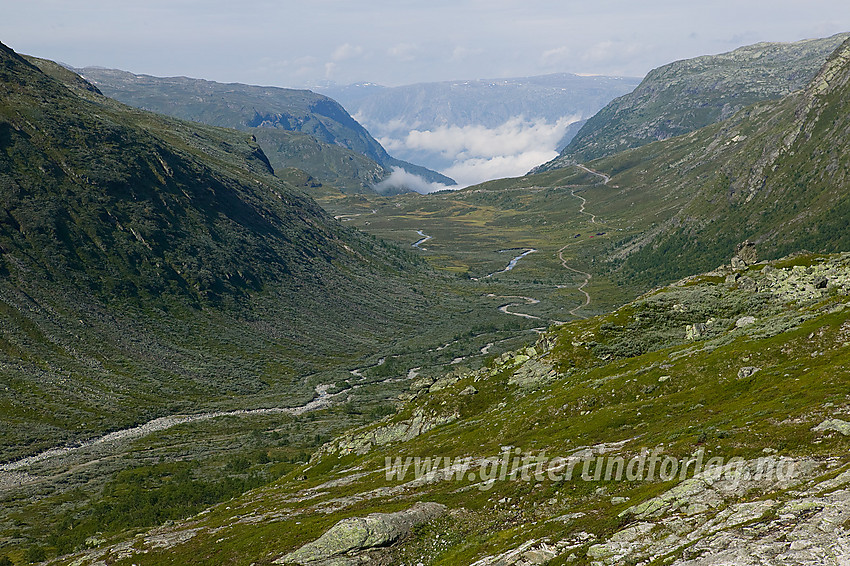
(548, 109)
(686, 95)
(339, 150)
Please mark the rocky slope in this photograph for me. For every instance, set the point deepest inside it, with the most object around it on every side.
(775, 174)
(687, 95)
(752, 407)
(344, 153)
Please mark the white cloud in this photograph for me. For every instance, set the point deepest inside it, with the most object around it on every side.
(477, 153)
(401, 179)
(557, 56)
(346, 51)
(608, 52)
(480, 169)
(461, 53)
(517, 135)
(403, 51)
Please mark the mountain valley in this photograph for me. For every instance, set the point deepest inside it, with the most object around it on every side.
(222, 346)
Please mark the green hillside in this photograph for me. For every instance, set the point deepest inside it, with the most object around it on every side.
(155, 272)
(736, 376)
(687, 95)
(341, 152)
(745, 381)
(775, 173)
(153, 267)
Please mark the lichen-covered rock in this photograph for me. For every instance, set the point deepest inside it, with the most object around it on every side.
(807, 283)
(694, 331)
(529, 553)
(360, 442)
(361, 533)
(747, 371)
(708, 516)
(836, 425)
(738, 263)
(533, 372)
(447, 380)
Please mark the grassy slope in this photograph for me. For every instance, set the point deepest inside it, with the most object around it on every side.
(775, 173)
(610, 388)
(687, 95)
(153, 266)
(649, 187)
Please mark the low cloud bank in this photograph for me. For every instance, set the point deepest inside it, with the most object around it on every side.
(403, 181)
(474, 154)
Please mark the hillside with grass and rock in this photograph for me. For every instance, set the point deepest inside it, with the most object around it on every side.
(640, 359)
(738, 375)
(295, 128)
(687, 95)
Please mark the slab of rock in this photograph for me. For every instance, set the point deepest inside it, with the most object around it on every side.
(528, 553)
(361, 441)
(694, 331)
(836, 425)
(361, 533)
(532, 373)
(747, 371)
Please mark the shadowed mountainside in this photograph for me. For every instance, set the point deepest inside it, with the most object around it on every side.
(340, 150)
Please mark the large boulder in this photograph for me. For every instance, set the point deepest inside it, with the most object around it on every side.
(362, 533)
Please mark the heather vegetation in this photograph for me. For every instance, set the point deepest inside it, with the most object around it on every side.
(226, 369)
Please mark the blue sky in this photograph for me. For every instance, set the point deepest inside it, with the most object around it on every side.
(402, 41)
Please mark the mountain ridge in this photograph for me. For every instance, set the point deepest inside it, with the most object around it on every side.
(263, 111)
(133, 242)
(685, 95)
(761, 175)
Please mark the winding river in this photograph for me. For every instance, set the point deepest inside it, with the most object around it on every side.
(425, 238)
(513, 262)
(322, 400)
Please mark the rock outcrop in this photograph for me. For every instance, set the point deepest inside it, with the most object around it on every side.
(340, 545)
(707, 521)
(834, 425)
(360, 442)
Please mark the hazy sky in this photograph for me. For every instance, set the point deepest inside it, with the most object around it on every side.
(396, 42)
